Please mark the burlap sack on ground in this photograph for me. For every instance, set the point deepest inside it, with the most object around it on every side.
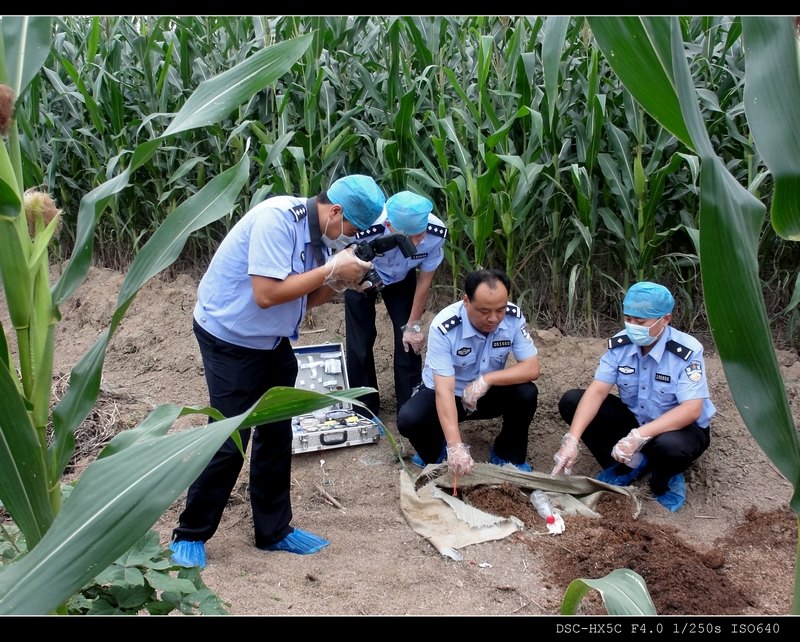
(450, 524)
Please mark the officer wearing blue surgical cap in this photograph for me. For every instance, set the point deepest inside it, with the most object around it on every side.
(660, 422)
(407, 283)
(267, 271)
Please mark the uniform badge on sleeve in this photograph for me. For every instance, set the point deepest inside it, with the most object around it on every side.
(298, 212)
(694, 371)
(524, 330)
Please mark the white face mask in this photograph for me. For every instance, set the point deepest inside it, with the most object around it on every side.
(339, 243)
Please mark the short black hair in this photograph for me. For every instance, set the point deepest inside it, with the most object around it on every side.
(488, 276)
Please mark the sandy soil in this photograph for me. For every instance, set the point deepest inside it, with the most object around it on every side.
(731, 550)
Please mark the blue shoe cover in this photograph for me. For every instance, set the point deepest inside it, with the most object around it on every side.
(188, 553)
(621, 475)
(525, 467)
(300, 542)
(417, 461)
(675, 496)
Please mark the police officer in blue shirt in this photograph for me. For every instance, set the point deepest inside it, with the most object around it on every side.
(406, 286)
(660, 421)
(465, 377)
(267, 271)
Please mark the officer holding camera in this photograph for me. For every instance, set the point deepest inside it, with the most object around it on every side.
(404, 293)
(269, 269)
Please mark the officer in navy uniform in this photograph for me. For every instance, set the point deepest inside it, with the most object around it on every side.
(267, 271)
(465, 377)
(660, 421)
(405, 295)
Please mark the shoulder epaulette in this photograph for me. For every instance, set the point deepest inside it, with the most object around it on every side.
(437, 230)
(448, 324)
(372, 230)
(617, 342)
(513, 310)
(678, 349)
(299, 212)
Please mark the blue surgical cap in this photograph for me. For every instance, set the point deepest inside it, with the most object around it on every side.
(408, 212)
(646, 300)
(360, 197)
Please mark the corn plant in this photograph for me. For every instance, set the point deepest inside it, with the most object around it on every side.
(650, 57)
(141, 471)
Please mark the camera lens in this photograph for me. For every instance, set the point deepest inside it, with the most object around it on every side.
(373, 277)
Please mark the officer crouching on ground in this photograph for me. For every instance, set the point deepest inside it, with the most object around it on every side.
(465, 377)
(659, 424)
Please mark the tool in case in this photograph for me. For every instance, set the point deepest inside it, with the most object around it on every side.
(321, 368)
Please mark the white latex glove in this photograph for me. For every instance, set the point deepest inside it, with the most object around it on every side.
(566, 456)
(346, 269)
(459, 461)
(340, 286)
(472, 392)
(413, 337)
(628, 446)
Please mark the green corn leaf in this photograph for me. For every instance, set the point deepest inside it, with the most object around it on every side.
(211, 203)
(214, 99)
(771, 101)
(283, 402)
(27, 44)
(13, 260)
(731, 222)
(641, 58)
(624, 592)
(555, 33)
(10, 202)
(116, 499)
(23, 478)
(186, 167)
(139, 474)
(92, 206)
(17, 281)
(5, 351)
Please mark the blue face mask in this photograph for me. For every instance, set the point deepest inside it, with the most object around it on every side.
(640, 334)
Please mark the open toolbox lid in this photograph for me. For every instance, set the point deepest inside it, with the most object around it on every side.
(322, 368)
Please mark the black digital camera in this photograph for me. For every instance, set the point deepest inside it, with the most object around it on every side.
(368, 250)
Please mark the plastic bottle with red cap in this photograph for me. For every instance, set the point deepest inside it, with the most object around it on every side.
(541, 502)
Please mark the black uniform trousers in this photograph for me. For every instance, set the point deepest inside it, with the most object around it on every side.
(418, 420)
(237, 377)
(667, 454)
(360, 333)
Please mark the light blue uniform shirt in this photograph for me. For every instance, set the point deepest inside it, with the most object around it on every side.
(671, 373)
(456, 348)
(273, 240)
(393, 266)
